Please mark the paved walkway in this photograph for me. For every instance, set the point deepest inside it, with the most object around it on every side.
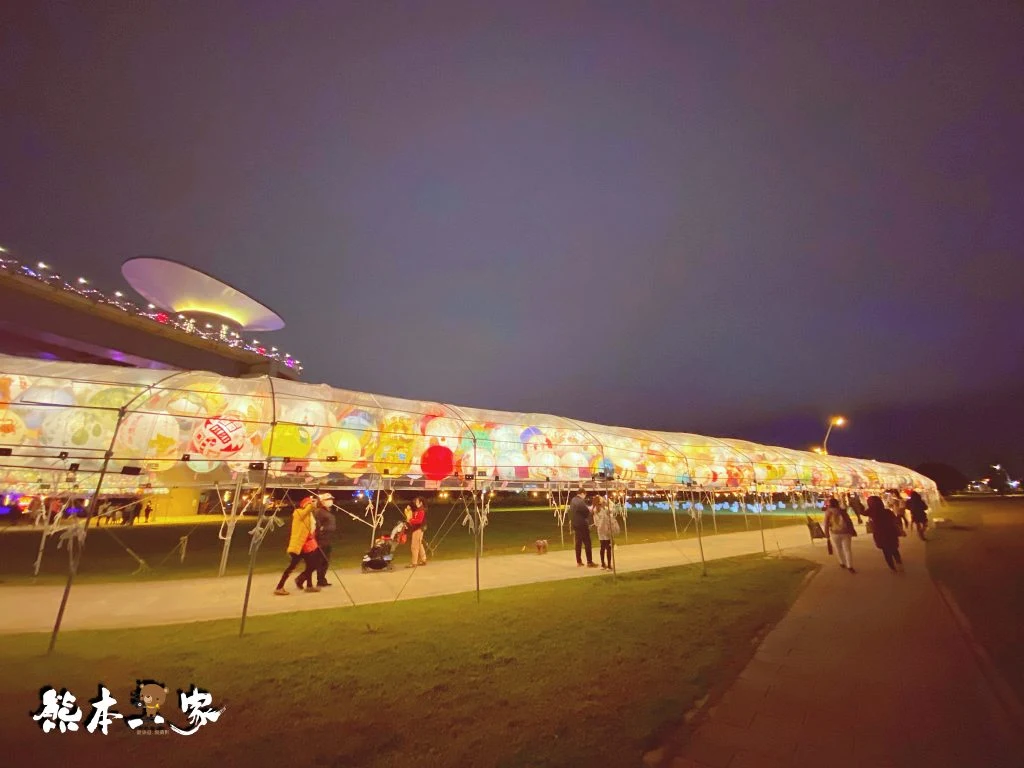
(867, 670)
(142, 603)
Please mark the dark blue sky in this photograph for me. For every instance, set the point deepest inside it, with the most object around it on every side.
(727, 217)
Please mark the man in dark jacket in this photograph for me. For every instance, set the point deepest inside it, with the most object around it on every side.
(581, 528)
(918, 513)
(326, 528)
(857, 506)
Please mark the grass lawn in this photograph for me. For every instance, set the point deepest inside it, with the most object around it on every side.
(979, 559)
(582, 672)
(106, 557)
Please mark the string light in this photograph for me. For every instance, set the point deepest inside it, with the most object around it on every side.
(231, 338)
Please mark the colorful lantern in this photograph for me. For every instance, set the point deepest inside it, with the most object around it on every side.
(570, 465)
(537, 443)
(39, 401)
(219, 438)
(12, 387)
(202, 466)
(344, 446)
(483, 462)
(543, 465)
(363, 424)
(290, 441)
(437, 462)
(512, 465)
(506, 438)
(148, 435)
(188, 404)
(12, 428)
(77, 429)
(393, 456)
(314, 414)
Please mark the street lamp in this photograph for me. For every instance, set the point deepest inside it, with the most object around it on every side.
(835, 421)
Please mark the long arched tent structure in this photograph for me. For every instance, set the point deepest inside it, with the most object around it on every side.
(65, 425)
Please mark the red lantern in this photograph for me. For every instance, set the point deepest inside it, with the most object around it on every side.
(437, 462)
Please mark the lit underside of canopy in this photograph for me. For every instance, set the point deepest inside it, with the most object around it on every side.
(176, 287)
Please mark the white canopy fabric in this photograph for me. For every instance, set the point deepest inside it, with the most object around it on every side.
(196, 429)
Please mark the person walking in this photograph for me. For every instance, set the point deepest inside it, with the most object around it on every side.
(148, 511)
(895, 503)
(301, 543)
(607, 527)
(857, 506)
(581, 529)
(417, 525)
(918, 513)
(839, 527)
(326, 528)
(885, 531)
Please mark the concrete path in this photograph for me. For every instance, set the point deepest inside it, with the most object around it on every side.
(142, 603)
(867, 670)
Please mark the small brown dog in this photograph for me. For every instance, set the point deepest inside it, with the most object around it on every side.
(542, 546)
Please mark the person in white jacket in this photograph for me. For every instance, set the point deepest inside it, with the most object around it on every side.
(839, 528)
(607, 527)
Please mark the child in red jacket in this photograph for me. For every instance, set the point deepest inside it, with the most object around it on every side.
(417, 523)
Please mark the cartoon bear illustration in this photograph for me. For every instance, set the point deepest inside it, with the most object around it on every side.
(149, 695)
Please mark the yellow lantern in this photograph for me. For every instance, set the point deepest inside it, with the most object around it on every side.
(393, 456)
(344, 446)
(290, 441)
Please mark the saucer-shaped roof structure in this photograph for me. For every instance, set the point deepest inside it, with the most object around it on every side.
(175, 287)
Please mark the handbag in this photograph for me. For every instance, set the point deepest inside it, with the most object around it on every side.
(309, 545)
(829, 543)
(870, 528)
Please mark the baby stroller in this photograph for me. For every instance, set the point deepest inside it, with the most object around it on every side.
(383, 550)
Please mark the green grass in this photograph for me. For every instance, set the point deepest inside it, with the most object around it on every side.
(566, 673)
(106, 556)
(978, 557)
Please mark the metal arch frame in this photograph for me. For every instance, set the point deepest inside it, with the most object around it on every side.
(75, 559)
(887, 474)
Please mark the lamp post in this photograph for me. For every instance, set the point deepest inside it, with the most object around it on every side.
(835, 421)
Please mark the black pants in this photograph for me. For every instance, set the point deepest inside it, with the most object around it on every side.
(323, 556)
(891, 553)
(583, 542)
(606, 546)
(305, 578)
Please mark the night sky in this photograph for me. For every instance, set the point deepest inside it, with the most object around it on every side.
(724, 217)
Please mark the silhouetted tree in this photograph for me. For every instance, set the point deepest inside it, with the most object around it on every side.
(946, 477)
(998, 479)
